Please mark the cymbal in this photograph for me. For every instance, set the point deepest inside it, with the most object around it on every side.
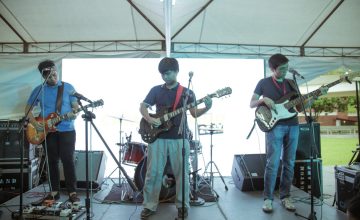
(121, 118)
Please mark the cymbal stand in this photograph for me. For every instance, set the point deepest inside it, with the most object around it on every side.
(211, 162)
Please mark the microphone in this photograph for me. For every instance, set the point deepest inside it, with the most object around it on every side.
(191, 74)
(295, 73)
(81, 97)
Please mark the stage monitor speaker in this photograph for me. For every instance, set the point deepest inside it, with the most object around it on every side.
(248, 172)
(302, 176)
(304, 144)
(97, 161)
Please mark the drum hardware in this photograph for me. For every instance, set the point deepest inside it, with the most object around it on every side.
(211, 130)
(121, 147)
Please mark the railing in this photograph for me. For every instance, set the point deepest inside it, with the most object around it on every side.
(335, 130)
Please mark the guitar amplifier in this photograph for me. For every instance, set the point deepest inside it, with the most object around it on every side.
(302, 176)
(11, 142)
(10, 175)
(347, 181)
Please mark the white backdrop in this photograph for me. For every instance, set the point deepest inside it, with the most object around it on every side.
(124, 83)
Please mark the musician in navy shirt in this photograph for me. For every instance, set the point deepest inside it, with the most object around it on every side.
(170, 143)
(282, 139)
(59, 144)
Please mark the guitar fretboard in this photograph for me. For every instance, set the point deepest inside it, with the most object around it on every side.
(314, 93)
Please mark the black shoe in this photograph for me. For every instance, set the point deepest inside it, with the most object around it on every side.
(47, 197)
(145, 213)
(73, 198)
(182, 214)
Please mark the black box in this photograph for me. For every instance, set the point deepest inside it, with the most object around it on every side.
(248, 172)
(347, 185)
(302, 176)
(10, 174)
(304, 147)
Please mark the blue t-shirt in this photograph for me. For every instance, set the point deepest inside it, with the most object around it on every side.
(164, 98)
(47, 99)
(267, 88)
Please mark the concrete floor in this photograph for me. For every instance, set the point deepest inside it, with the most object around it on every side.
(233, 204)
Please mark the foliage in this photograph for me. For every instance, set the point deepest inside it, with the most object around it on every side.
(332, 104)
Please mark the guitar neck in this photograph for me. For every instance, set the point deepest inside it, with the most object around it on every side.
(172, 114)
(314, 93)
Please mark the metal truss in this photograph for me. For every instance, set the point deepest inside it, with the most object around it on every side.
(159, 45)
(264, 50)
(82, 46)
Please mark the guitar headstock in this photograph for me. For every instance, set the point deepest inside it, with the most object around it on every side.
(222, 92)
(95, 104)
(349, 76)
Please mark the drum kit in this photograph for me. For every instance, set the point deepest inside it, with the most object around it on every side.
(134, 154)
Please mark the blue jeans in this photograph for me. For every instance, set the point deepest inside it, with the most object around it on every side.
(281, 143)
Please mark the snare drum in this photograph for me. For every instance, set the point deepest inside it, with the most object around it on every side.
(134, 152)
(195, 145)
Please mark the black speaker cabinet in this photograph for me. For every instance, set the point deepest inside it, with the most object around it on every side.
(304, 144)
(10, 177)
(248, 172)
(97, 161)
(347, 182)
(302, 176)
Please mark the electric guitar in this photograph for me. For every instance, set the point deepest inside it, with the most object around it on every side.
(149, 133)
(35, 136)
(267, 118)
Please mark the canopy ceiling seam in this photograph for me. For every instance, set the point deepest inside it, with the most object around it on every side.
(12, 28)
(322, 23)
(202, 26)
(146, 18)
(313, 23)
(133, 21)
(192, 18)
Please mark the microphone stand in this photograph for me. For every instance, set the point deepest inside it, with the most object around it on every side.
(88, 117)
(309, 120)
(23, 123)
(182, 130)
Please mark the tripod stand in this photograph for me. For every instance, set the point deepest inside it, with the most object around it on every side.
(121, 148)
(211, 130)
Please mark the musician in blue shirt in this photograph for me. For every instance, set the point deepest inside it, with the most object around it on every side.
(61, 143)
(282, 138)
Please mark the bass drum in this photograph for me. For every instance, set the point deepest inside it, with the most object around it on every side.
(168, 188)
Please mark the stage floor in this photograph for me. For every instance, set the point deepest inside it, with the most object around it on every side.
(232, 204)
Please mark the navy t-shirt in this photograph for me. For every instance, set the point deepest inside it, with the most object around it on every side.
(276, 90)
(162, 97)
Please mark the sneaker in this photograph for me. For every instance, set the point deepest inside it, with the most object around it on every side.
(145, 213)
(287, 203)
(182, 214)
(73, 198)
(49, 196)
(267, 206)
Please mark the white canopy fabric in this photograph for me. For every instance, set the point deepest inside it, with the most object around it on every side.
(256, 22)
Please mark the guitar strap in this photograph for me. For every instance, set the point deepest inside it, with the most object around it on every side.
(292, 84)
(59, 98)
(178, 95)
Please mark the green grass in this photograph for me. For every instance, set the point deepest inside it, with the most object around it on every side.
(337, 151)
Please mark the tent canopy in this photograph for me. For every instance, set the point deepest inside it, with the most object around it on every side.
(140, 25)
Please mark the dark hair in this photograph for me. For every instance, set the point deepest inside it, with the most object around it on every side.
(167, 64)
(353, 206)
(45, 64)
(277, 60)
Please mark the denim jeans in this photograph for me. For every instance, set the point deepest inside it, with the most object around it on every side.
(281, 143)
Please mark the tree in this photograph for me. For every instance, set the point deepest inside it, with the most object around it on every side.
(340, 104)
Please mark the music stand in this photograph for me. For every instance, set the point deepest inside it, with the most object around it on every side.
(206, 131)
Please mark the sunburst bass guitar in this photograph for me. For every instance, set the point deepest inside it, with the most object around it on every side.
(267, 118)
(36, 136)
(150, 133)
